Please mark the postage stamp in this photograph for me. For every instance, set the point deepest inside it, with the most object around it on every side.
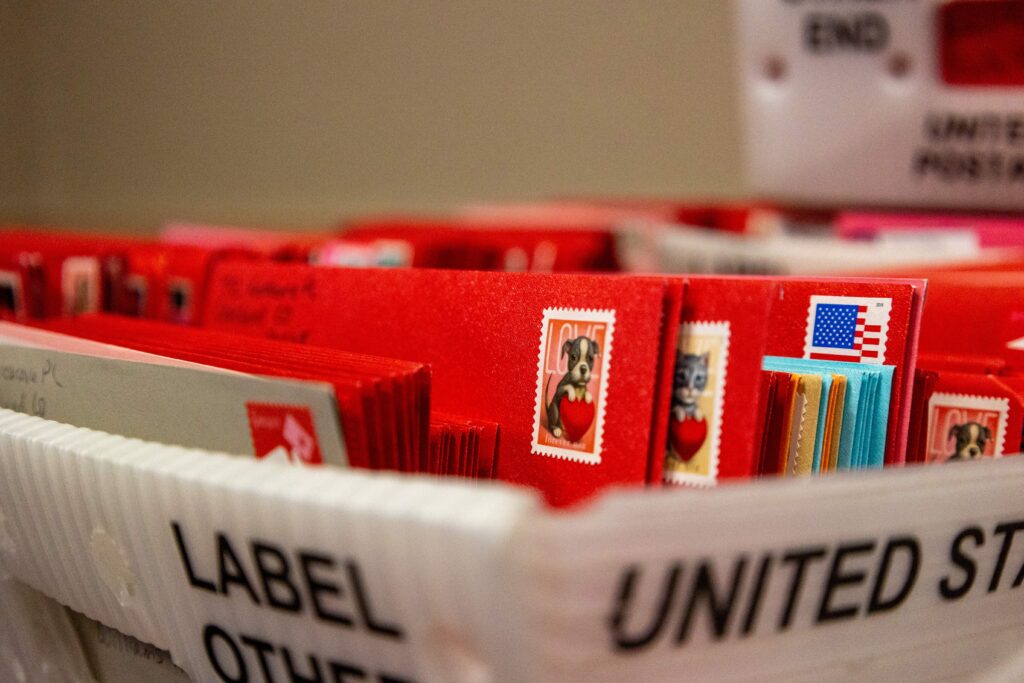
(965, 427)
(283, 433)
(572, 383)
(847, 328)
(12, 301)
(180, 301)
(698, 393)
(80, 285)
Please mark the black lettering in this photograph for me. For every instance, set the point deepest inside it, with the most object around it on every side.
(962, 128)
(843, 32)
(296, 677)
(987, 127)
(837, 579)
(1014, 129)
(262, 648)
(389, 678)
(1016, 171)
(874, 31)
(1020, 577)
(910, 545)
(1007, 529)
(363, 605)
(957, 556)
(952, 166)
(343, 672)
(319, 587)
(194, 581)
(863, 32)
(720, 610)
(995, 166)
(801, 559)
(813, 31)
(213, 631)
(617, 621)
(276, 577)
(754, 607)
(230, 569)
(924, 162)
(972, 167)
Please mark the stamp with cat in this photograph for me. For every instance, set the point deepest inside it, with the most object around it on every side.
(572, 383)
(698, 392)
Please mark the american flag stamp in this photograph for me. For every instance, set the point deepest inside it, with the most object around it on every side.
(847, 328)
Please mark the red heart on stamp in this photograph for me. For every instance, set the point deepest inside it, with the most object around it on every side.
(577, 416)
(687, 436)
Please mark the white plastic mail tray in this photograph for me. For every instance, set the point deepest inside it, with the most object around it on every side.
(249, 571)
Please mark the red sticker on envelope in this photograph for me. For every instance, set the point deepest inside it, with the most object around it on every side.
(283, 433)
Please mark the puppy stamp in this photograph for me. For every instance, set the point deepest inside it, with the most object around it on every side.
(964, 427)
(698, 392)
(572, 383)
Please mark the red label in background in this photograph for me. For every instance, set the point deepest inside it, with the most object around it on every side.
(284, 433)
(980, 42)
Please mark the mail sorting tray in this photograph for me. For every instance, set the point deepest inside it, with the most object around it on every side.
(244, 570)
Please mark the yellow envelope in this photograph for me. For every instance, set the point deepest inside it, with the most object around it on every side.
(804, 425)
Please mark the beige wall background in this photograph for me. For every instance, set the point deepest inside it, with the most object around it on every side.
(124, 113)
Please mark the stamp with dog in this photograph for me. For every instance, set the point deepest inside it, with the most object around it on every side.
(698, 392)
(965, 427)
(572, 383)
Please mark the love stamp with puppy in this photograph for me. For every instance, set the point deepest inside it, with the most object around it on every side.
(572, 383)
(965, 427)
(698, 392)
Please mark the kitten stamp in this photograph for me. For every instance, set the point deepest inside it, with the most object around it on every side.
(572, 383)
(965, 427)
(698, 392)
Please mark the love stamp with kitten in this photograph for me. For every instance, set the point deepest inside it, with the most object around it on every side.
(572, 383)
(698, 392)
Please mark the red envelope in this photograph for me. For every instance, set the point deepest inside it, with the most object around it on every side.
(166, 281)
(275, 244)
(791, 333)
(63, 273)
(478, 441)
(779, 416)
(975, 315)
(765, 403)
(733, 310)
(498, 344)
(606, 212)
(470, 245)
(970, 416)
(779, 317)
(924, 387)
(21, 287)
